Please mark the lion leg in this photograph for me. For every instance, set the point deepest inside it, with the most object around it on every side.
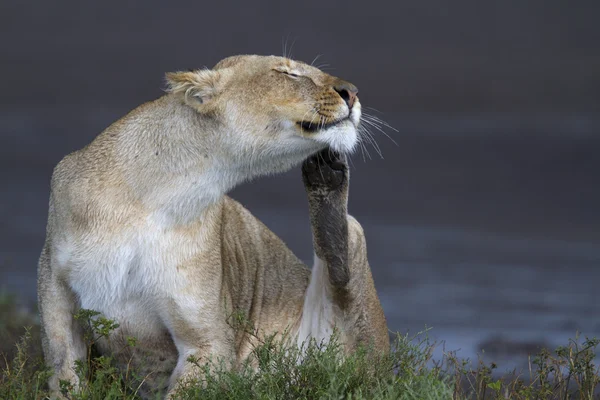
(200, 336)
(341, 281)
(364, 313)
(62, 337)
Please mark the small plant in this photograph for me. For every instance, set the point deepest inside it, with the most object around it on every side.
(15, 322)
(22, 377)
(567, 373)
(101, 378)
(277, 370)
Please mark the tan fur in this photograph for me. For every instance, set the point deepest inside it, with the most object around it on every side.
(140, 228)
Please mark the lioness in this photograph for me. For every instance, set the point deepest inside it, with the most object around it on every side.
(140, 229)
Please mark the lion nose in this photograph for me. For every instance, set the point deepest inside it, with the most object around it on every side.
(347, 91)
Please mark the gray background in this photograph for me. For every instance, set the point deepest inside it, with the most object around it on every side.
(483, 222)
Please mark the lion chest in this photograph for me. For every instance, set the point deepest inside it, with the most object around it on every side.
(132, 274)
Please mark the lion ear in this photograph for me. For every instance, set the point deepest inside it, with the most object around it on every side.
(198, 86)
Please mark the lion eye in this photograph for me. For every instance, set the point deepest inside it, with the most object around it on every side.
(290, 74)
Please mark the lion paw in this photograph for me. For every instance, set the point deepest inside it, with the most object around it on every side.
(325, 170)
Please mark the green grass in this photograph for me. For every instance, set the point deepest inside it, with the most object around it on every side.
(276, 371)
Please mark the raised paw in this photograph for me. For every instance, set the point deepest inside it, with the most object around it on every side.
(326, 170)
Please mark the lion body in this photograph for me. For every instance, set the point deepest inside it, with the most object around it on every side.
(140, 230)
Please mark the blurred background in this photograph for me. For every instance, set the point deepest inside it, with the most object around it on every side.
(483, 221)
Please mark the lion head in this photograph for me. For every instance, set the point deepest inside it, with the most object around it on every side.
(273, 105)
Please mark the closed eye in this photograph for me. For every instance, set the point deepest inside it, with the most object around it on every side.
(291, 74)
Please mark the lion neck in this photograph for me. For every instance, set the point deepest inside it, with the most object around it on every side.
(178, 163)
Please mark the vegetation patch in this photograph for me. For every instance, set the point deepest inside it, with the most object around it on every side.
(318, 371)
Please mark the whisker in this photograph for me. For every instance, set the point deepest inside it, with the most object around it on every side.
(377, 126)
(373, 143)
(362, 150)
(292, 48)
(360, 140)
(283, 45)
(378, 120)
(319, 164)
(371, 140)
(324, 67)
(312, 118)
(370, 123)
(315, 59)
(312, 109)
(367, 151)
(350, 162)
(374, 109)
(363, 138)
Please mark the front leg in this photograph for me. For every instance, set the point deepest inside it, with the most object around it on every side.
(326, 179)
(341, 291)
(62, 337)
(194, 319)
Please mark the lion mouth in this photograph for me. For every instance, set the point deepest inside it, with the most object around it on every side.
(312, 127)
